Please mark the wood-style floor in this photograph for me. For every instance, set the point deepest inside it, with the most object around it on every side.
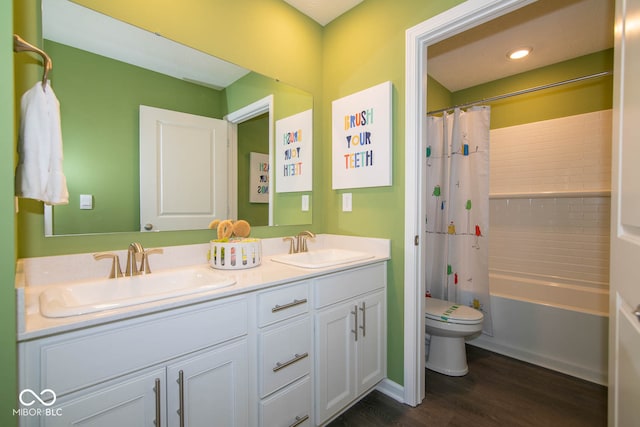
(497, 391)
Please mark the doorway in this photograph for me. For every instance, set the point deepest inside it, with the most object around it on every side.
(451, 22)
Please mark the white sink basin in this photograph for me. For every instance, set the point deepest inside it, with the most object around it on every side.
(321, 258)
(99, 295)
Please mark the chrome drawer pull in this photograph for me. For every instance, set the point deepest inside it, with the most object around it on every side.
(364, 320)
(355, 321)
(181, 396)
(289, 305)
(156, 388)
(296, 358)
(299, 420)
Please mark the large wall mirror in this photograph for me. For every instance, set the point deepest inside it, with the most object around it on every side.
(103, 71)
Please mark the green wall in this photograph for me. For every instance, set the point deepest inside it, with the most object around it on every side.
(100, 116)
(362, 48)
(253, 136)
(567, 100)
(8, 380)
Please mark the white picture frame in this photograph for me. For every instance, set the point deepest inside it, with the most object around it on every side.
(361, 138)
(294, 153)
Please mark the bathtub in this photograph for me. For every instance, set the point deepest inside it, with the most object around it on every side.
(555, 324)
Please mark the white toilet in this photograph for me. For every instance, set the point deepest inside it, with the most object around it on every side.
(448, 324)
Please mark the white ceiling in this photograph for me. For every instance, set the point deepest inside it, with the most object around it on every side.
(557, 30)
(323, 11)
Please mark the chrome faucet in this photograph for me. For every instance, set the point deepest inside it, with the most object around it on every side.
(302, 240)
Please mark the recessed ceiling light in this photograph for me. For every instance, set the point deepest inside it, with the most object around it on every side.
(519, 53)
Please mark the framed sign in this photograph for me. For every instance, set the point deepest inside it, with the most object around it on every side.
(293, 151)
(361, 138)
(258, 178)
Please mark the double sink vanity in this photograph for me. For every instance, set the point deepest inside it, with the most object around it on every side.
(292, 342)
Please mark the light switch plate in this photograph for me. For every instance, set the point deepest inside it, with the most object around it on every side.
(305, 202)
(346, 202)
(86, 201)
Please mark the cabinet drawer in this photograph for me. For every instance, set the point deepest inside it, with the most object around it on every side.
(349, 284)
(288, 408)
(285, 355)
(283, 303)
(69, 362)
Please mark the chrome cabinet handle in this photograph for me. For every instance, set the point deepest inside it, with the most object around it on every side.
(296, 358)
(299, 420)
(637, 312)
(156, 389)
(288, 305)
(364, 320)
(355, 322)
(181, 396)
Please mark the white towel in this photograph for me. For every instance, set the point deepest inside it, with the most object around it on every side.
(39, 173)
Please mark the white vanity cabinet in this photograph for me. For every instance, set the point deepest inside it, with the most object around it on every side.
(148, 371)
(350, 325)
(285, 356)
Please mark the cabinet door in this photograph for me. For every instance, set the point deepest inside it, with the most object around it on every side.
(210, 389)
(372, 343)
(132, 403)
(335, 352)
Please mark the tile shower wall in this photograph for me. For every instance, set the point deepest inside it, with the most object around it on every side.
(549, 207)
(567, 154)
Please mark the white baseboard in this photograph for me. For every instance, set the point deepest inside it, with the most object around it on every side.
(391, 389)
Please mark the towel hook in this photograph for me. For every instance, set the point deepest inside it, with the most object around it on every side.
(19, 45)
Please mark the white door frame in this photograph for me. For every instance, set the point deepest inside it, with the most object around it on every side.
(451, 22)
(261, 106)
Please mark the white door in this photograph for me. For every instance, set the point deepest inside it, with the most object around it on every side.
(183, 170)
(133, 403)
(624, 330)
(372, 344)
(210, 389)
(335, 376)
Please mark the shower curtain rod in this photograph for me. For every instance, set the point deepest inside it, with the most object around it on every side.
(520, 92)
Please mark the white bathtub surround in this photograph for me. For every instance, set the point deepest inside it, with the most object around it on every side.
(35, 274)
(457, 209)
(549, 248)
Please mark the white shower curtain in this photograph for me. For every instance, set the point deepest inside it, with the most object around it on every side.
(457, 209)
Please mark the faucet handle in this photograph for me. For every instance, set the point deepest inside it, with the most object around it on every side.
(116, 271)
(292, 245)
(145, 259)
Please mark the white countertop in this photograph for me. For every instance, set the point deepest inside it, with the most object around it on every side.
(35, 274)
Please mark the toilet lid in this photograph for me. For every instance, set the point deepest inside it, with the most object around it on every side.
(446, 311)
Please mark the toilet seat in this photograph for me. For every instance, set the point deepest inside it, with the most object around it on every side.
(446, 311)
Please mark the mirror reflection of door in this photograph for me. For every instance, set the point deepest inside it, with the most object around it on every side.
(183, 170)
(253, 137)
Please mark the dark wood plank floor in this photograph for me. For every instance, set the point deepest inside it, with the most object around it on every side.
(497, 391)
